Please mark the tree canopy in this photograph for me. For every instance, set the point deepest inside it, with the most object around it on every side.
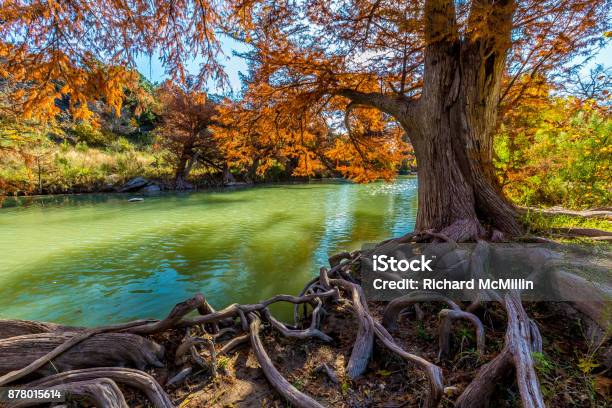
(315, 46)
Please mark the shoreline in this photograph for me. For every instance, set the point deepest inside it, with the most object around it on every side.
(225, 187)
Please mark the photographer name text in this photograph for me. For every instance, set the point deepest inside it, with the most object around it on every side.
(446, 284)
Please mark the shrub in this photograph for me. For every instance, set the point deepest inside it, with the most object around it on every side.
(121, 145)
(84, 132)
(559, 154)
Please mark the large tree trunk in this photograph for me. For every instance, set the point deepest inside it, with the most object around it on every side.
(458, 191)
(457, 116)
(451, 126)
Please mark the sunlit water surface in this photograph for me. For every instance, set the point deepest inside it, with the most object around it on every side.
(97, 259)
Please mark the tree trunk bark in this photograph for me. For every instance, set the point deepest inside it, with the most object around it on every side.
(182, 168)
(446, 197)
(451, 125)
(458, 192)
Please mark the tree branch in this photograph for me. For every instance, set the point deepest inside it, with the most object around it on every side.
(398, 106)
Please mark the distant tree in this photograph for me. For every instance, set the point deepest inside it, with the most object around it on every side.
(186, 117)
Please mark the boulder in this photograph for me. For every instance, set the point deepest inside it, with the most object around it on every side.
(134, 184)
(151, 188)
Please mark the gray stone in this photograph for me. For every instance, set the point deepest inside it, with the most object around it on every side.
(134, 184)
(151, 188)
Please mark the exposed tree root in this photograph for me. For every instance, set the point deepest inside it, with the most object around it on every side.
(134, 378)
(277, 381)
(92, 361)
(517, 353)
(37, 351)
(101, 392)
(12, 328)
(605, 213)
(447, 316)
(397, 305)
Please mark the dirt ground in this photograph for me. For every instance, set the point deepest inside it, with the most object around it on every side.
(570, 367)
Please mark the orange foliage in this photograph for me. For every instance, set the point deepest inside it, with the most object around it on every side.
(256, 138)
(306, 137)
(312, 60)
(186, 117)
(372, 148)
(83, 48)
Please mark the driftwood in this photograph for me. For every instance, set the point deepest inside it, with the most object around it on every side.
(93, 361)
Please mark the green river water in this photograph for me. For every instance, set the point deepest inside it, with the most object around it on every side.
(95, 259)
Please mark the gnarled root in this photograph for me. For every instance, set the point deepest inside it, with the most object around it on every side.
(101, 392)
(517, 353)
(13, 328)
(32, 346)
(447, 316)
(395, 307)
(280, 384)
(133, 378)
(364, 343)
(102, 350)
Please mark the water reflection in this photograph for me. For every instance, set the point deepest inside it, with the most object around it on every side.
(95, 259)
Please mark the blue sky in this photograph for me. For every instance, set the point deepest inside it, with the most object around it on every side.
(154, 71)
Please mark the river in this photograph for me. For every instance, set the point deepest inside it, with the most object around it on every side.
(96, 259)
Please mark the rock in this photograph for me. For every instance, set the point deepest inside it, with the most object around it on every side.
(151, 188)
(134, 184)
(235, 184)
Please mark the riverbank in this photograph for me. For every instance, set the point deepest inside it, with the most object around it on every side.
(121, 166)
